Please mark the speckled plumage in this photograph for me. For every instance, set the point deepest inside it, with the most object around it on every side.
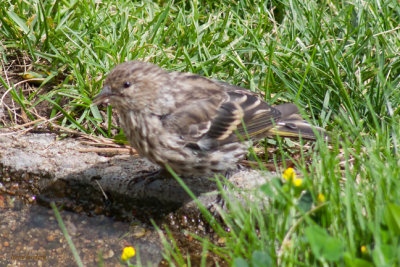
(193, 124)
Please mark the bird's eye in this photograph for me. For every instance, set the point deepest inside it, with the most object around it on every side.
(127, 84)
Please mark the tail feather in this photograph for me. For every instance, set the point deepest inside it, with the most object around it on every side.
(294, 126)
(297, 129)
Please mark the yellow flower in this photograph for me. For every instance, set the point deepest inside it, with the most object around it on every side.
(321, 198)
(289, 174)
(364, 250)
(128, 253)
(297, 182)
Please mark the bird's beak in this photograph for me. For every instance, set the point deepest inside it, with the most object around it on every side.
(103, 96)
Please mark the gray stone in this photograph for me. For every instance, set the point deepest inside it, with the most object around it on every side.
(121, 176)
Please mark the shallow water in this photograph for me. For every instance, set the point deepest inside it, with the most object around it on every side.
(99, 226)
(30, 236)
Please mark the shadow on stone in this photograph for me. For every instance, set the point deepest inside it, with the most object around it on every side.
(119, 188)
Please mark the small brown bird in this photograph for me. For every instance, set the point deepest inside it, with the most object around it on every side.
(196, 125)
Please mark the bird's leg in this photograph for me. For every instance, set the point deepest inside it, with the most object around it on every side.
(219, 200)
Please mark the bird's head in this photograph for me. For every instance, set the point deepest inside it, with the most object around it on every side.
(132, 84)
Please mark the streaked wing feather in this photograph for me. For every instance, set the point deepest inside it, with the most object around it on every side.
(227, 115)
(240, 116)
(192, 120)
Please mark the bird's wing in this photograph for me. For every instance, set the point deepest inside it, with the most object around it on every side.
(222, 117)
(288, 124)
(192, 119)
(241, 117)
(215, 113)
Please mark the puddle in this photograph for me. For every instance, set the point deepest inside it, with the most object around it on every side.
(31, 236)
(99, 227)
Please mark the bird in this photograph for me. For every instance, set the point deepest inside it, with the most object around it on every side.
(193, 124)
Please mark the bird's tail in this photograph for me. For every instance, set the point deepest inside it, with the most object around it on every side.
(294, 126)
(298, 129)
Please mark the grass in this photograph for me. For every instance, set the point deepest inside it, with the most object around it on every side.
(338, 60)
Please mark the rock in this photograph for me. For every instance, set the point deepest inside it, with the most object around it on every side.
(58, 171)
